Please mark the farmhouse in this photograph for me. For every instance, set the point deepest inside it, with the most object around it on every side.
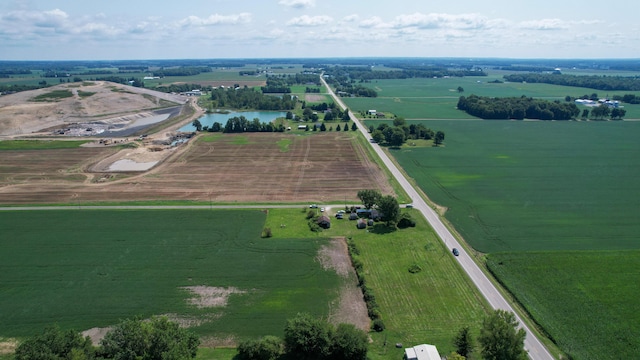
(371, 112)
(421, 352)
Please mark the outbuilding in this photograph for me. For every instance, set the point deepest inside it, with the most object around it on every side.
(324, 222)
(422, 352)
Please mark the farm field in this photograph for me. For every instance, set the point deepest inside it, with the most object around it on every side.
(90, 268)
(562, 194)
(437, 98)
(317, 167)
(429, 306)
(522, 186)
(588, 314)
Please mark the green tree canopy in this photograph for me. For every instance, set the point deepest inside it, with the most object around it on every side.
(390, 209)
(464, 342)
(307, 338)
(369, 197)
(267, 348)
(53, 344)
(499, 338)
(157, 339)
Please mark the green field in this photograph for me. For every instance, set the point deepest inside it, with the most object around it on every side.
(437, 98)
(426, 307)
(564, 190)
(520, 186)
(91, 268)
(587, 300)
(39, 144)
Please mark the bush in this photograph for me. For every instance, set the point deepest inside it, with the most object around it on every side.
(415, 268)
(378, 325)
(267, 348)
(266, 233)
(406, 221)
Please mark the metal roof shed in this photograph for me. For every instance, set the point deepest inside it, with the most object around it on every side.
(422, 352)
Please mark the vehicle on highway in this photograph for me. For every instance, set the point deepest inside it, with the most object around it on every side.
(455, 252)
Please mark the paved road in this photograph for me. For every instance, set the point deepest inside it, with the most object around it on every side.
(536, 350)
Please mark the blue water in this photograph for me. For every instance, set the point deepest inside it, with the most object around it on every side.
(209, 119)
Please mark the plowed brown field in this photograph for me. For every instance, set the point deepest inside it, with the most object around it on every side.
(319, 167)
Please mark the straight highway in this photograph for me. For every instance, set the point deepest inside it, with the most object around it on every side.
(534, 347)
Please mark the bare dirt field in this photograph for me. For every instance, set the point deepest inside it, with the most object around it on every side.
(320, 167)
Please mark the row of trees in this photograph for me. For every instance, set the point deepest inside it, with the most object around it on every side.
(308, 338)
(517, 108)
(608, 83)
(156, 339)
(247, 98)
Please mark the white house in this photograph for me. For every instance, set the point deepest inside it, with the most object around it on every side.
(422, 352)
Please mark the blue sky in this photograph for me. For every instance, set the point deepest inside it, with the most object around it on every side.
(143, 29)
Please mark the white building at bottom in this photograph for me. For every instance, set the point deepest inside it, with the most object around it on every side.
(422, 352)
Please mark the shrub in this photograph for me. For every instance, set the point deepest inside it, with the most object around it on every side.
(415, 268)
(406, 221)
(378, 325)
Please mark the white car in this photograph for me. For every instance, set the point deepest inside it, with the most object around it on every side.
(321, 209)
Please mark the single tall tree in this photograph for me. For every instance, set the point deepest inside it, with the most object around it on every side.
(369, 197)
(439, 137)
(390, 210)
(499, 338)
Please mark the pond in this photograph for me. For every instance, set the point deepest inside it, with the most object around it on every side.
(209, 119)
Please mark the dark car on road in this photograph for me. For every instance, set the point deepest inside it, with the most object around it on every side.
(455, 252)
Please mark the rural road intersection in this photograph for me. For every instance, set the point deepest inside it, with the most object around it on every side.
(532, 344)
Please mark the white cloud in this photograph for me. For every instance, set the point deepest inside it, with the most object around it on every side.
(350, 18)
(215, 19)
(374, 22)
(298, 4)
(544, 24)
(437, 21)
(306, 20)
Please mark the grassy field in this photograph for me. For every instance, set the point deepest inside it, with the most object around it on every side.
(565, 191)
(90, 268)
(584, 311)
(39, 144)
(437, 98)
(427, 307)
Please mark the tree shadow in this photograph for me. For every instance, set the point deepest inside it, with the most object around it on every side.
(381, 229)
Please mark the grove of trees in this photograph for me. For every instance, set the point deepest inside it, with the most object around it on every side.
(247, 98)
(308, 338)
(133, 339)
(607, 83)
(517, 108)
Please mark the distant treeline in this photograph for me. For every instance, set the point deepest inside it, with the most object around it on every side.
(608, 83)
(182, 71)
(137, 82)
(14, 88)
(517, 108)
(364, 73)
(247, 98)
(281, 84)
(180, 88)
(526, 68)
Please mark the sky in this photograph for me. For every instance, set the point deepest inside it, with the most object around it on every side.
(218, 29)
